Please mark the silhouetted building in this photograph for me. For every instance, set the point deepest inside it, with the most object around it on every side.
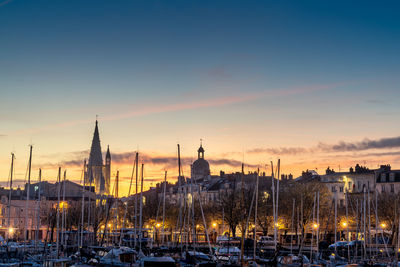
(97, 174)
(200, 167)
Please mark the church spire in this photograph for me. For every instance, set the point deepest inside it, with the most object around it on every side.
(108, 154)
(95, 158)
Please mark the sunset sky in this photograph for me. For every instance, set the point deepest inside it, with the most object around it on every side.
(314, 83)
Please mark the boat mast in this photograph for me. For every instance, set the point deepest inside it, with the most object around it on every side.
(58, 211)
(273, 203)
(38, 209)
(63, 210)
(9, 198)
(141, 212)
(255, 217)
(163, 220)
(116, 204)
(136, 195)
(317, 225)
(126, 205)
(347, 225)
(179, 222)
(243, 216)
(83, 203)
(291, 239)
(336, 222)
(277, 199)
(27, 195)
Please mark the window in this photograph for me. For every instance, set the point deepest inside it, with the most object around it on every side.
(359, 185)
(349, 185)
(391, 177)
(383, 177)
(392, 188)
(341, 202)
(383, 188)
(334, 188)
(341, 189)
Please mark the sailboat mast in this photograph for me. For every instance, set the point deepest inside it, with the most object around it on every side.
(27, 195)
(83, 203)
(58, 211)
(180, 219)
(277, 198)
(255, 217)
(126, 205)
(141, 211)
(116, 203)
(317, 225)
(9, 198)
(136, 195)
(336, 222)
(347, 225)
(242, 206)
(291, 238)
(163, 215)
(273, 203)
(38, 209)
(63, 210)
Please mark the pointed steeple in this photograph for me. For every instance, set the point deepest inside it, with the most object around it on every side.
(108, 155)
(95, 158)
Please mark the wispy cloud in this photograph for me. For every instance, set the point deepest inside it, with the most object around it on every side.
(392, 142)
(366, 144)
(188, 105)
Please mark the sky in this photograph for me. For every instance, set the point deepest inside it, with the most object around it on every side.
(314, 83)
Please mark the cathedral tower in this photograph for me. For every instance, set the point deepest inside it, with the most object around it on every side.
(97, 174)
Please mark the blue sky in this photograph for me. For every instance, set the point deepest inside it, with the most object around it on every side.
(301, 72)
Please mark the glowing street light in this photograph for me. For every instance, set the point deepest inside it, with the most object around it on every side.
(383, 225)
(11, 230)
(214, 225)
(344, 224)
(158, 225)
(315, 226)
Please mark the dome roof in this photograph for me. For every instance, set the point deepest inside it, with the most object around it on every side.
(201, 167)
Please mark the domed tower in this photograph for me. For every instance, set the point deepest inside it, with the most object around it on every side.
(200, 167)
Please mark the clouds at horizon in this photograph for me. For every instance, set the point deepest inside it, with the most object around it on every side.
(342, 146)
